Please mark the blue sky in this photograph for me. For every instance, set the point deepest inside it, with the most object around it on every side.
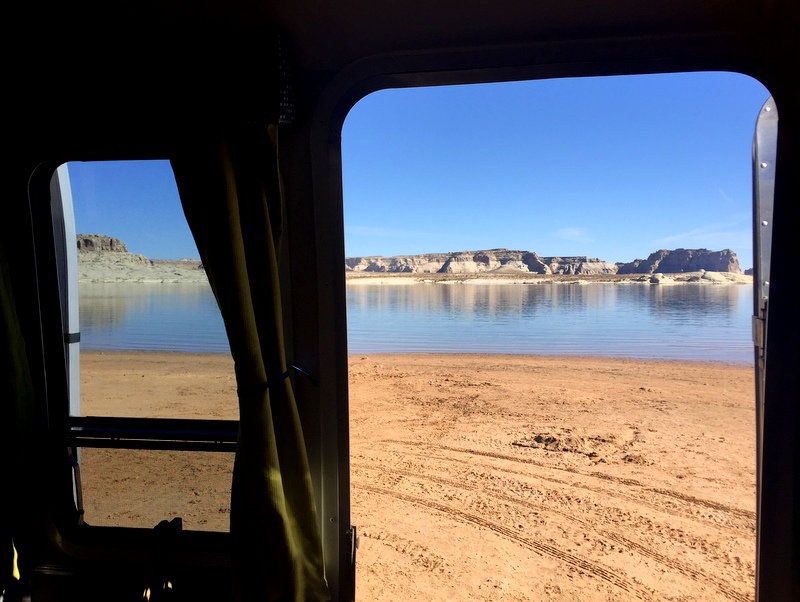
(135, 201)
(614, 168)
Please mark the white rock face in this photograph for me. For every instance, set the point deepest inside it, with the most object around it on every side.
(503, 261)
(103, 259)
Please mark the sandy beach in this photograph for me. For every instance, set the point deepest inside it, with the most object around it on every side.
(484, 477)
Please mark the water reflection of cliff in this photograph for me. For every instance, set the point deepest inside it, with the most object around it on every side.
(105, 305)
(676, 321)
(109, 305)
(489, 300)
(150, 316)
(596, 319)
(700, 301)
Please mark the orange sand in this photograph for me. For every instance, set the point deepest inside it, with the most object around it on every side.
(484, 477)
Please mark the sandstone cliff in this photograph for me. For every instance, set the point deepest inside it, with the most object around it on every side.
(98, 243)
(100, 249)
(683, 260)
(104, 259)
(497, 261)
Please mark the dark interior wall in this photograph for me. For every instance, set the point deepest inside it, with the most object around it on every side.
(88, 84)
(764, 53)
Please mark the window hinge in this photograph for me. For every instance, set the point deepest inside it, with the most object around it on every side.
(759, 332)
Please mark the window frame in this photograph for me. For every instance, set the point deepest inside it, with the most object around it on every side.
(63, 433)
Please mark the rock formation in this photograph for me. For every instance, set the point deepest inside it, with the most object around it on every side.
(97, 243)
(581, 266)
(97, 248)
(498, 261)
(107, 259)
(683, 260)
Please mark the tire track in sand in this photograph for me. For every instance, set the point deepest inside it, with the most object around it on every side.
(744, 514)
(539, 547)
(640, 500)
(684, 569)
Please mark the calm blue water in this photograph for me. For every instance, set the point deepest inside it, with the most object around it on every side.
(697, 322)
(151, 317)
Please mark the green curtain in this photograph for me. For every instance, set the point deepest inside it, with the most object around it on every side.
(16, 420)
(232, 196)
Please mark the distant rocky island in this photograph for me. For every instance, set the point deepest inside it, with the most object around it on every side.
(106, 259)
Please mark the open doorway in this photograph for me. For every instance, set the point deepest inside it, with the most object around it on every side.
(549, 318)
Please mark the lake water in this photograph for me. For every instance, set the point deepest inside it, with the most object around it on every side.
(696, 322)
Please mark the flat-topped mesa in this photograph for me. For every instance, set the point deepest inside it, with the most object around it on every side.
(579, 266)
(98, 243)
(683, 260)
(100, 249)
(498, 261)
(104, 259)
(474, 262)
(505, 261)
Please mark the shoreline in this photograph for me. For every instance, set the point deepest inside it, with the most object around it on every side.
(182, 275)
(417, 355)
(701, 278)
(123, 268)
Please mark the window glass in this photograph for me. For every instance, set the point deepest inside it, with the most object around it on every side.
(152, 339)
(152, 346)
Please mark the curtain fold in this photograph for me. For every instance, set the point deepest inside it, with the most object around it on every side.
(232, 196)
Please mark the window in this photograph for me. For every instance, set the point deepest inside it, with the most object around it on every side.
(153, 404)
(516, 415)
